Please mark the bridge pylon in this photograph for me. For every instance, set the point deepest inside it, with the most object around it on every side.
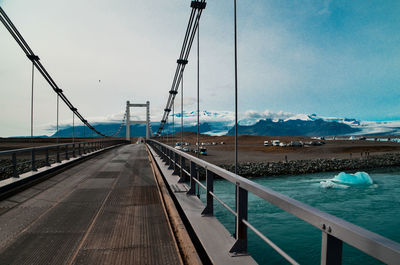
(129, 122)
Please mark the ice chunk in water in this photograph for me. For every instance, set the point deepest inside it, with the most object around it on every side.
(359, 178)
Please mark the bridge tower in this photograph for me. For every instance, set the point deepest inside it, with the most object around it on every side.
(129, 122)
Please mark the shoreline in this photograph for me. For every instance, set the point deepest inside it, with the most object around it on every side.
(298, 167)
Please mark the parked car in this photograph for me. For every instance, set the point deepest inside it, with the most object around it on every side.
(266, 143)
(275, 142)
(185, 149)
(282, 144)
(296, 143)
(203, 151)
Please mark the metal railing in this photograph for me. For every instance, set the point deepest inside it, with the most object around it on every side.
(335, 231)
(18, 161)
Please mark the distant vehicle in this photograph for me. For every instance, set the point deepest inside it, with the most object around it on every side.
(182, 143)
(203, 151)
(296, 143)
(222, 142)
(282, 144)
(185, 149)
(178, 147)
(316, 143)
(275, 142)
(214, 143)
(266, 143)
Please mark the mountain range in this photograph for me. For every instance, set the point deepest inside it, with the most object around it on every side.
(252, 123)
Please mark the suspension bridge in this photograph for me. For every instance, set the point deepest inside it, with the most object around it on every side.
(115, 200)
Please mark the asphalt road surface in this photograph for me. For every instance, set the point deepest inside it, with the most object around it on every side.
(106, 210)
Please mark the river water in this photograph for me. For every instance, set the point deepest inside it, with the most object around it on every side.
(375, 207)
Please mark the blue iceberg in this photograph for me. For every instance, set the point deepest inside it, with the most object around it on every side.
(344, 180)
(359, 178)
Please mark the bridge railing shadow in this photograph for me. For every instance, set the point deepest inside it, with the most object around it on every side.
(334, 230)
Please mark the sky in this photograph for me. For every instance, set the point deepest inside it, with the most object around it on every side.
(332, 58)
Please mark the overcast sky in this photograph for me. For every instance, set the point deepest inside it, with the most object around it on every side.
(333, 58)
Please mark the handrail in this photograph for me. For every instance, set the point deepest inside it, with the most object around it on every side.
(20, 150)
(334, 230)
(48, 152)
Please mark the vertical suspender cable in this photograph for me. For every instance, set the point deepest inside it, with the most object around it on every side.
(182, 109)
(198, 89)
(33, 74)
(198, 103)
(173, 120)
(58, 104)
(167, 132)
(73, 127)
(236, 94)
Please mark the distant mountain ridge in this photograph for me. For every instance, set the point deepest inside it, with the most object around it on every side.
(253, 123)
(317, 127)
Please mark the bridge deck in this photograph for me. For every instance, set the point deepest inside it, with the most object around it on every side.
(106, 210)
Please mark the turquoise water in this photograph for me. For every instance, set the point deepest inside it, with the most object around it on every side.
(375, 207)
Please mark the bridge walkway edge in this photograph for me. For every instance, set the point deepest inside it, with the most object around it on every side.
(214, 237)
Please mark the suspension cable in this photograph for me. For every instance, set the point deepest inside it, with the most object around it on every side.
(198, 90)
(58, 104)
(73, 127)
(120, 127)
(33, 76)
(35, 61)
(197, 9)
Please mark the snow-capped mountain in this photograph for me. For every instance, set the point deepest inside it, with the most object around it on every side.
(259, 123)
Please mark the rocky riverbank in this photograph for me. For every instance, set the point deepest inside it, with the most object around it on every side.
(258, 169)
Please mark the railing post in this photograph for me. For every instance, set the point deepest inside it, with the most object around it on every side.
(66, 152)
(166, 156)
(182, 177)
(209, 210)
(240, 246)
(47, 157)
(175, 164)
(14, 165)
(166, 152)
(84, 150)
(58, 154)
(331, 249)
(171, 163)
(193, 173)
(79, 149)
(33, 160)
(163, 153)
(169, 158)
(73, 150)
